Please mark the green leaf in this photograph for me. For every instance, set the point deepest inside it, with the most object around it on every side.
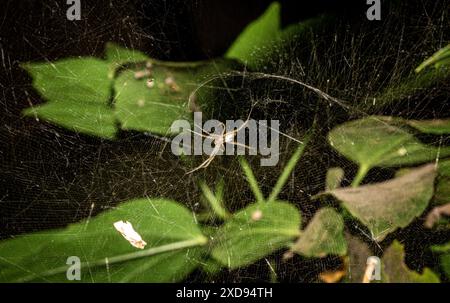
(437, 60)
(384, 207)
(436, 126)
(85, 84)
(255, 232)
(373, 141)
(77, 91)
(72, 80)
(257, 36)
(394, 270)
(87, 118)
(444, 255)
(334, 178)
(141, 108)
(173, 247)
(323, 236)
(442, 194)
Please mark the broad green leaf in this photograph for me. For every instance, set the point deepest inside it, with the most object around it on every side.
(256, 37)
(323, 236)
(436, 126)
(264, 39)
(139, 107)
(444, 256)
(442, 194)
(148, 109)
(384, 207)
(254, 232)
(437, 60)
(394, 269)
(87, 118)
(334, 178)
(72, 80)
(173, 247)
(76, 83)
(373, 141)
(77, 92)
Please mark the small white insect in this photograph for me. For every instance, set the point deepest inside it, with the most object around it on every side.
(127, 231)
(371, 270)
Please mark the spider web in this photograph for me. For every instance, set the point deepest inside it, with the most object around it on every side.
(52, 177)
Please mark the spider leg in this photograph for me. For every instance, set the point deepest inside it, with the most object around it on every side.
(223, 128)
(209, 134)
(242, 126)
(246, 121)
(235, 131)
(210, 159)
(202, 129)
(203, 165)
(199, 134)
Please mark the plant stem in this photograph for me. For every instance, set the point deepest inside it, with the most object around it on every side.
(287, 170)
(362, 172)
(251, 180)
(215, 204)
(125, 257)
(273, 273)
(219, 191)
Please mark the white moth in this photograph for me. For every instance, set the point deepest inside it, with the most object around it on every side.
(127, 231)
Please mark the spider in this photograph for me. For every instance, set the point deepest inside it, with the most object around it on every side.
(219, 143)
